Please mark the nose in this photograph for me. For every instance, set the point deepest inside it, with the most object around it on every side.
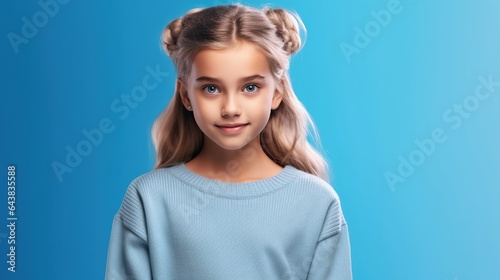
(230, 106)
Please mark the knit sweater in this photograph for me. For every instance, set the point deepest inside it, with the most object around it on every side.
(176, 224)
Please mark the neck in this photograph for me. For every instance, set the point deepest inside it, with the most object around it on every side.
(245, 164)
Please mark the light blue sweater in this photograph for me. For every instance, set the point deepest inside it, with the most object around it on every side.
(176, 224)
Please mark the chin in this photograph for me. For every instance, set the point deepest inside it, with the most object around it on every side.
(233, 143)
(232, 146)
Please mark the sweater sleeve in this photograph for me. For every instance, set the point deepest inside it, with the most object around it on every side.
(332, 257)
(128, 254)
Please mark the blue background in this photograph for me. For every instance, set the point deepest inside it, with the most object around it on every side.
(441, 221)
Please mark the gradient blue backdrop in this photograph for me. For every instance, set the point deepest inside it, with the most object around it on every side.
(397, 83)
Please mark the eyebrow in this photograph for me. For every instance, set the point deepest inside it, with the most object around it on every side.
(249, 78)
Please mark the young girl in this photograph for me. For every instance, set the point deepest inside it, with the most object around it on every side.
(237, 192)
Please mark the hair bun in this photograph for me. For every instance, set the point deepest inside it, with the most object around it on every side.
(172, 30)
(170, 34)
(287, 28)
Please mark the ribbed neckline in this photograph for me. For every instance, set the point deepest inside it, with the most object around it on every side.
(234, 190)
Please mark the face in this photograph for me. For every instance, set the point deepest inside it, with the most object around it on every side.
(231, 93)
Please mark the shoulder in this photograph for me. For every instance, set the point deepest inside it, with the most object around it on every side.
(153, 176)
(144, 186)
(316, 186)
(153, 179)
(139, 194)
(326, 199)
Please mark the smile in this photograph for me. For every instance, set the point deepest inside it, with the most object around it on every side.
(232, 129)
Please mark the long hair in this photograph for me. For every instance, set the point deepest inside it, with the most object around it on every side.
(175, 134)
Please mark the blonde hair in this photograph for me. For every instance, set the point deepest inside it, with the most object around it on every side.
(176, 136)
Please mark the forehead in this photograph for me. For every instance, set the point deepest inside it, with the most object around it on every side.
(245, 59)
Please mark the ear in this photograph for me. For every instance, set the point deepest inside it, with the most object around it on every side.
(183, 94)
(277, 98)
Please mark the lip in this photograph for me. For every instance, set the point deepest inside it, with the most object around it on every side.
(230, 125)
(232, 129)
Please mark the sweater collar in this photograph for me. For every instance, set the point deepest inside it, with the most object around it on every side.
(231, 189)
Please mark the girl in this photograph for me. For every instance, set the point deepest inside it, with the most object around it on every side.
(237, 191)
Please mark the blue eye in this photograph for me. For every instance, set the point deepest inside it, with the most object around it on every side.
(252, 88)
(210, 89)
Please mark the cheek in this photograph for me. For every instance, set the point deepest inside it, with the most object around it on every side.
(261, 110)
(203, 112)
(266, 102)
